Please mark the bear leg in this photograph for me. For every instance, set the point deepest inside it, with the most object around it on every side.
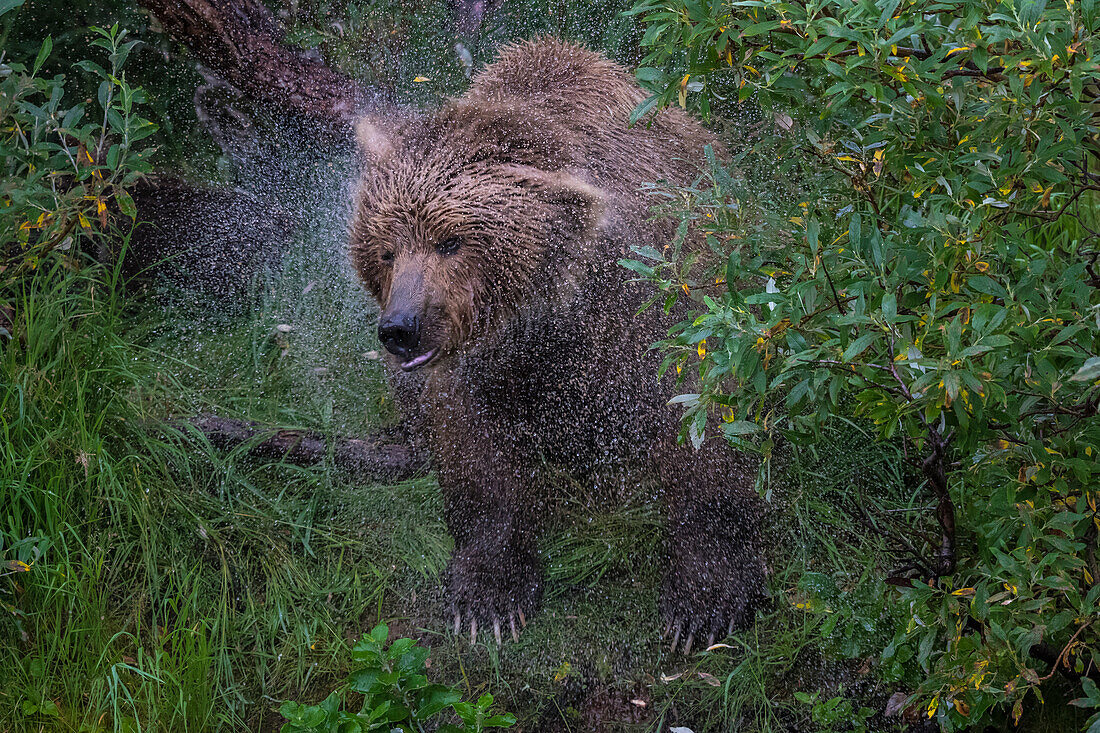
(715, 577)
(494, 578)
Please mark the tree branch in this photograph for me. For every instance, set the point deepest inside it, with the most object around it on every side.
(373, 457)
(241, 41)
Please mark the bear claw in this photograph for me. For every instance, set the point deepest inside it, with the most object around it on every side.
(497, 632)
(493, 590)
(678, 628)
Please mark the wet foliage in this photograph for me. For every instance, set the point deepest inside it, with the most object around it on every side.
(930, 270)
(67, 164)
(396, 695)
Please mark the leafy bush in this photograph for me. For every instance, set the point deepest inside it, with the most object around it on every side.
(396, 696)
(921, 251)
(63, 168)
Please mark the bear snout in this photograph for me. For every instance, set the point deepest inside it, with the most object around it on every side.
(400, 333)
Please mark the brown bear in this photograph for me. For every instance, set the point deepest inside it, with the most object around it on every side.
(489, 232)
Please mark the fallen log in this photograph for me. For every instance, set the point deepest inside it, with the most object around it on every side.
(373, 457)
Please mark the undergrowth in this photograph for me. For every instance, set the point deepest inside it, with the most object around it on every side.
(174, 587)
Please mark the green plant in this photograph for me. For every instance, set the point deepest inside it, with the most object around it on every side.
(62, 166)
(836, 713)
(396, 695)
(920, 251)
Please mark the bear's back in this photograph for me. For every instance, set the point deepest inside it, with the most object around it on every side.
(558, 77)
(591, 97)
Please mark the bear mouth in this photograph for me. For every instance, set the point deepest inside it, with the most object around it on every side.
(418, 361)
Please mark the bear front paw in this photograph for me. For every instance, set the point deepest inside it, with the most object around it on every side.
(493, 587)
(708, 591)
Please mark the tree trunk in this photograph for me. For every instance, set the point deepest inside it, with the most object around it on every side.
(240, 40)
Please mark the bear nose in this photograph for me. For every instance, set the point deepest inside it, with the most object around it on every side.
(400, 334)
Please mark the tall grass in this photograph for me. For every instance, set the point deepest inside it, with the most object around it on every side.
(175, 587)
(168, 586)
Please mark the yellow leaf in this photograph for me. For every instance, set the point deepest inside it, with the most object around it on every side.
(100, 206)
(83, 220)
(702, 349)
(960, 48)
(419, 79)
(933, 705)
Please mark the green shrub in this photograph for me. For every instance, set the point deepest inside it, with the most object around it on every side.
(920, 250)
(396, 696)
(65, 168)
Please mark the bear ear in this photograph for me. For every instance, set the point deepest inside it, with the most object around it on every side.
(375, 144)
(578, 205)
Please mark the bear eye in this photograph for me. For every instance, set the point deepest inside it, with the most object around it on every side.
(387, 256)
(449, 246)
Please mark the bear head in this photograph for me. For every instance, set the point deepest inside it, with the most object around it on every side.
(462, 220)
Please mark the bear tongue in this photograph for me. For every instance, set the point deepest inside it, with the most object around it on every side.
(424, 358)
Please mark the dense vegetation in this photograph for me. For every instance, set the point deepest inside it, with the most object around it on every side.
(901, 315)
(924, 258)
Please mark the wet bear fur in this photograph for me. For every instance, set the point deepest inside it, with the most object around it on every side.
(489, 233)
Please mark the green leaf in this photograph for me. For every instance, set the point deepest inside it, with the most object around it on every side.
(639, 267)
(757, 28)
(858, 346)
(126, 203)
(888, 8)
(987, 285)
(43, 52)
(434, 698)
(740, 427)
(889, 308)
(504, 720)
(6, 5)
(363, 680)
(1089, 371)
